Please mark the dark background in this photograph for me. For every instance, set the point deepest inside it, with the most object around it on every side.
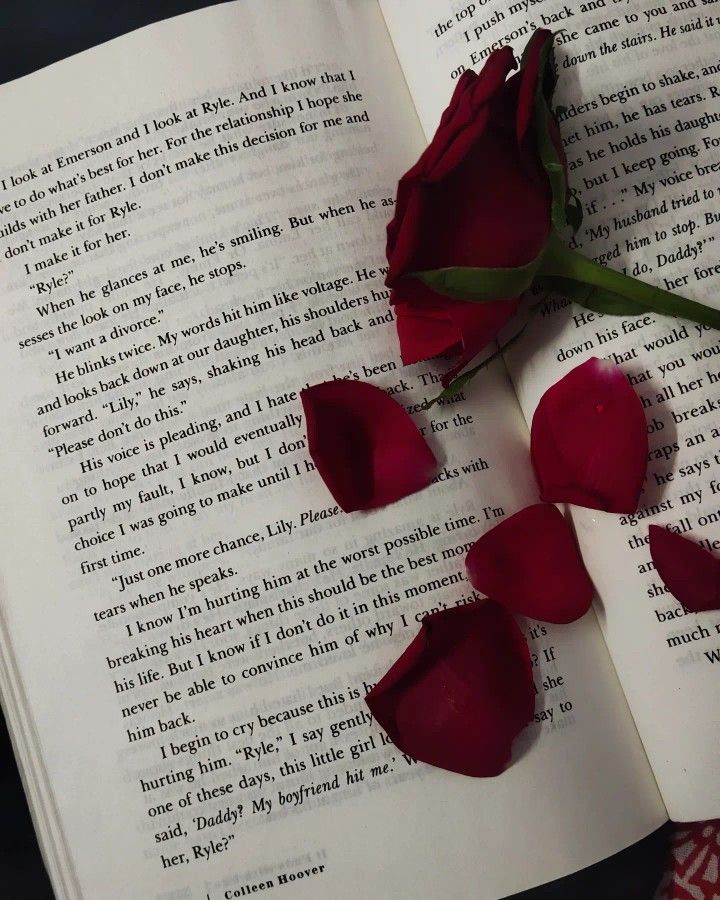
(33, 34)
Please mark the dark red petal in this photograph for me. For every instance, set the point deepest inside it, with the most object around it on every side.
(430, 325)
(365, 446)
(691, 573)
(530, 564)
(464, 83)
(492, 75)
(472, 113)
(424, 336)
(492, 169)
(443, 136)
(457, 115)
(405, 235)
(589, 440)
(471, 92)
(491, 210)
(461, 692)
(459, 147)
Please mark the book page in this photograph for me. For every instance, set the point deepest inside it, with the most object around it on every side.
(193, 229)
(642, 137)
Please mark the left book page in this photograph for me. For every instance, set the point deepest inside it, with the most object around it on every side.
(192, 229)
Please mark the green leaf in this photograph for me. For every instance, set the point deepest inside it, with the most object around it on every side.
(594, 298)
(480, 285)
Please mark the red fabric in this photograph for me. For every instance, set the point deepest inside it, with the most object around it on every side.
(365, 446)
(588, 440)
(691, 573)
(530, 564)
(478, 196)
(693, 871)
(461, 692)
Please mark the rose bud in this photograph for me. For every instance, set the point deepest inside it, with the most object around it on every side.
(588, 440)
(477, 197)
(461, 692)
(365, 446)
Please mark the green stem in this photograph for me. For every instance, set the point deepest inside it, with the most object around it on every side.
(562, 262)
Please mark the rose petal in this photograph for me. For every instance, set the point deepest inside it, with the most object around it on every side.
(589, 439)
(471, 115)
(491, 210)
(365, 446)
(424, 335)
(431, 327)
(461, 692)
(530, 564)
(397, 252)
(471, 91)
(689, 571)
(438, 221)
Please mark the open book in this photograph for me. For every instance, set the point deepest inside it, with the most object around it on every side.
(192, 230)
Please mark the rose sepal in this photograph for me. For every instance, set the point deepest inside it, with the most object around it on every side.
(549, 156)
(481, 285)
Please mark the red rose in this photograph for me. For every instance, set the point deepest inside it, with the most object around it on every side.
(477, 197)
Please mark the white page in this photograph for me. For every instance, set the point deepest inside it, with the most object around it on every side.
(645, 112)
(571, 798)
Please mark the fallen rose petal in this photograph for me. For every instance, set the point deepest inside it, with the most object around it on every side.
(530, 564)
(691, 573)
(365, 446)
(528, 79)
(461, 692)
(589, 440)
